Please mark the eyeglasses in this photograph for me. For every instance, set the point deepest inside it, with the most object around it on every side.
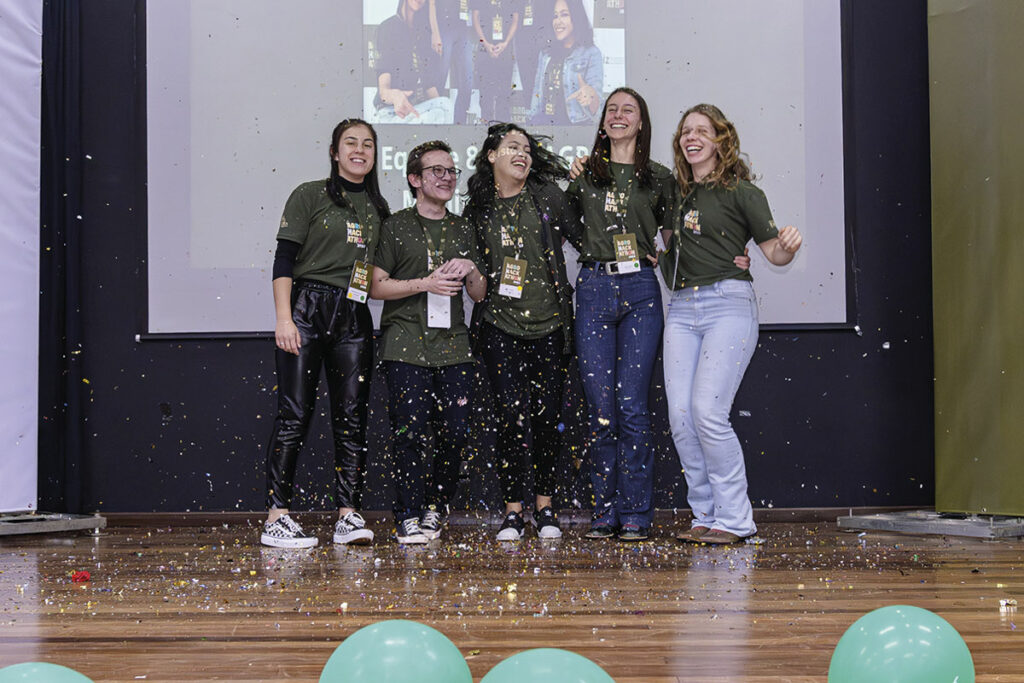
(440, 171)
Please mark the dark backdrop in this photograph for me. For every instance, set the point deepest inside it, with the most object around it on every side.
(827, 417)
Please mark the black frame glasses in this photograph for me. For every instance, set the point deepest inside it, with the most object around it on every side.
(440, 171)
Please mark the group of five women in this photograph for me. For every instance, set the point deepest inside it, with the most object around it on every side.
(339, 244)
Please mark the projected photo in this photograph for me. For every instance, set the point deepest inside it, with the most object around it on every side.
(535, 62)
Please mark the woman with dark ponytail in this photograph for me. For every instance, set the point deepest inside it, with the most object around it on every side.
(524, 325)
(327, 237)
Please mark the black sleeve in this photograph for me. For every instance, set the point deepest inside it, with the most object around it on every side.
(284, 258)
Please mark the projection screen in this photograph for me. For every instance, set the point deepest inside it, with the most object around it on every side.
(243, 95)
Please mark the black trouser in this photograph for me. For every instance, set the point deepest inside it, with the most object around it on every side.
(494, 80)
(527, 377)
(422, 401)
(337, 335)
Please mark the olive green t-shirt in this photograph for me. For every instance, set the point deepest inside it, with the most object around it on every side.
(514, 230)
(639, 210)
(712, 226)
(402, 253)
(332, 237)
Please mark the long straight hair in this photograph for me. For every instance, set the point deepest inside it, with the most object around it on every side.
(601, 152)
(370, 181)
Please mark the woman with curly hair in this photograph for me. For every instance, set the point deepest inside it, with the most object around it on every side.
(328, 234)
(711, 327)
(524, 325)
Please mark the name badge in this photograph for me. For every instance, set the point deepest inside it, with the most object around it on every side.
(439, 311)
(497, 30)
(626, 253)
(528, 14)
(513, 273)
(354, 233)
(464, 10)
(359, 283)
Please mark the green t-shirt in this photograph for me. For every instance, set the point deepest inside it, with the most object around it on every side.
(624, 206)
(514, 230)
(402, 253)
(332, 237)
(712, 226)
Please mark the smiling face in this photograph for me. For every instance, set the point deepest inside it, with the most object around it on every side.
(355, 153)
(621, 117)
(511, 160)
(697, 143)
(562, 24)
(428, 186)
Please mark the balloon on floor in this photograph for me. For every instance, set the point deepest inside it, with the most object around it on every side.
(901, 644)
(396, 651)
(41, 672)
(547, 665)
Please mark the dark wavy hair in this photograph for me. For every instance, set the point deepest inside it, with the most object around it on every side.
(731, 166)
(582, 31)
(370, 181)
(601, 152)
(546, 166)
(414, 164)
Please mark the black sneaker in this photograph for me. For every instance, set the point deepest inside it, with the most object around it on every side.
(512, 528)
(409, 532)
(632, 532)
(431, 523)
(285, 532)
(600, 531)
(547, 523)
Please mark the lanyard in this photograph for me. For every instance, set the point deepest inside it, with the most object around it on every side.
(434, 255)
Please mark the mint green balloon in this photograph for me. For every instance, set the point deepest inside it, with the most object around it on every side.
(41, 672)
(547, 665)
(901, 644)
(396, 651)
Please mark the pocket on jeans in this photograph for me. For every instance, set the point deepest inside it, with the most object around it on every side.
(736, 289)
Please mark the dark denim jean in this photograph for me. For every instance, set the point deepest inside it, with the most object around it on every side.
(618, 332)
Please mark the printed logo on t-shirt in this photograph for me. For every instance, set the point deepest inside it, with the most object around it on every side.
(284, 222)
(691, 221)
(355, 233)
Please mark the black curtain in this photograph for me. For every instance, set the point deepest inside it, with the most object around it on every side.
(61, 381)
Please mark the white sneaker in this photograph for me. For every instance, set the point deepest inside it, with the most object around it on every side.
(285, 532)
(351, 529)
(432, 523)
(409, 531)
(512, 528)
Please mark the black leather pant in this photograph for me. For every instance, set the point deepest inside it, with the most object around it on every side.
(337, 335)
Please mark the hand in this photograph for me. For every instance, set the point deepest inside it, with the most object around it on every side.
(445, 284)
(287, 337)
(496, 50)
(578, 164)
(743, 261)
(653, 259)
(790, 239)
(435, 42)
(586, 95)
(403, 107)
(459, 267)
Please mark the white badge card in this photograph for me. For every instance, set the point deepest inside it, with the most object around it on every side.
(497, 30)
(513, 273)
(439, 311)
(464, 10)
(626, 253)
(359, 283)
(528, 14)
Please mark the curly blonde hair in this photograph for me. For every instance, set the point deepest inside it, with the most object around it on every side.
(731, 166)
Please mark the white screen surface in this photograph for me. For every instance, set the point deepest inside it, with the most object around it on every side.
(243, 95)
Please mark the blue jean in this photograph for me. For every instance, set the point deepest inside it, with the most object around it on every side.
(618, 330)
(710, 337)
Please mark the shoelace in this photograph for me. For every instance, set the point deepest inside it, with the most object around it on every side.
(411, 526)
(432, 517)
(354, 520)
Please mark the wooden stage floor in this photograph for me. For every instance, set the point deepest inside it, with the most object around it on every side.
(210, 604)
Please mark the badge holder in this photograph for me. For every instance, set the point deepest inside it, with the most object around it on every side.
(439, 311)
(626, 259)
(359, 283)
(513, 273)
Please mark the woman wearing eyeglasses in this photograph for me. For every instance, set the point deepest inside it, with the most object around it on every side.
(524, 325)
(327, 236)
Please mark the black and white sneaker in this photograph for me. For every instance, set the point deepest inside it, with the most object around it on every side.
(547, 523)
(285, 532)
(409, 532)
(431, 523)
(351, 529)
(512, 528)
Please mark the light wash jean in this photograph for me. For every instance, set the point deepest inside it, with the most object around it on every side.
(432, 111)
(710, 337)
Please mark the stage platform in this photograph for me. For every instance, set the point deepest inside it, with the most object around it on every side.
(208, 603)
